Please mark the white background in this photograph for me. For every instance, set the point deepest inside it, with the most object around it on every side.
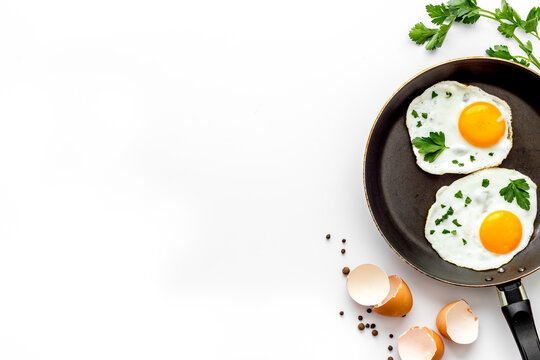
(169, 170)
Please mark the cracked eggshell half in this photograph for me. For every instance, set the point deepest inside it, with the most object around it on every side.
(420, 343)
(457, 323)
(399, 300)
(369, 285)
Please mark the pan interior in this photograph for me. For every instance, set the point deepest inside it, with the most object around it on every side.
(399, 193)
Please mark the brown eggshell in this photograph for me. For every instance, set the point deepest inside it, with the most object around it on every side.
(457, 323)
(420, 343)
(399, 300)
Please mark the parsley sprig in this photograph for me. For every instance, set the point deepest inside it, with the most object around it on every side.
(431, 147)
(517, 189)
(468, 12)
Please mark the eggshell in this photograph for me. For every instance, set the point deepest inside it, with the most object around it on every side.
(420, 343)
(399, 300)
(368, 284)
(457, 323)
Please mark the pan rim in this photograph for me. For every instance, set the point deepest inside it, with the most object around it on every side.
(460, 59)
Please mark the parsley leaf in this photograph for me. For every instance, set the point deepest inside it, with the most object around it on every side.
(468, 12)
(445, 231)
(454, 232)
(464, 241)
(438, 13)
(420, 33)
(455, 222)
(467, 200)
(458, 195)
(418, 123)
(414, 114)
(490, 154)
(485, 183)
(443, 206)
(472, 158)
(431, 146)
(517, 189)
(461, 164)
(431, 232)
(448, 94)
(424, 115)
(455, 161)
(434, 94)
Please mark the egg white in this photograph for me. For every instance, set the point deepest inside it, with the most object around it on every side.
(443, 113)
(484, 201)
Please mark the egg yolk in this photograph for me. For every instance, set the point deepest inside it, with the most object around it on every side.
(481, 124)
(500, 232)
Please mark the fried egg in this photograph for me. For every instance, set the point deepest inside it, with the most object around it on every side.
(476, 128)
(473, 224)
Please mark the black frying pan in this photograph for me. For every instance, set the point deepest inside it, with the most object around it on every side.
(399, 193)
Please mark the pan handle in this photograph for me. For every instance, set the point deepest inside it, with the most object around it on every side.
(516, 308)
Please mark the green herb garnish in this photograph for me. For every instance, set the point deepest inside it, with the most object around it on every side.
(468, 12)
(485, 183)
(424, 115)
(414, 114)
(461, 164)
(472, 158)
(445, 231)
(490, 154)
(448, 94)
(455, 222)
(449, 212)
(443, 206)
(432, 232)
(464, 241)
(418, 124)
(431, 146)
(458, 195)
(467, 201)
(517, 189)
(434, 94)
(455, 161)
(454, 232)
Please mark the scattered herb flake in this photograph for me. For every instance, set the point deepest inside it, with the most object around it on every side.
(448, 94)
(424, 115)
(517, 189)
(461, 164)
(443, 206)
(432, 232)
(414, 114)
(467, 200)
(445, 231)
(418, 123)
(490, 154)
(485, 183)
(458, 195)
(472, 158)
(455, 161)
(454, 232)
(455, 222)
(434, 94)
(464, 241)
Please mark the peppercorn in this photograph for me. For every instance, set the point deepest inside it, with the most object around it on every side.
(346, 270)
(361, 326)
(375, 333)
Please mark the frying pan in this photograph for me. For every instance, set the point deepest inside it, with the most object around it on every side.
(399, 193)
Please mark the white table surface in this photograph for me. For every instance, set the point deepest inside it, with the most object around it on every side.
(169, 171)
